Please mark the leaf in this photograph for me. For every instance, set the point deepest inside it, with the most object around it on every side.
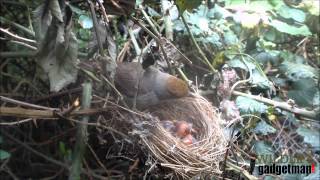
(262, 148)
(214, 40)
(106, 38)
(247, 20)
(76, 10)
(264, 128)
(230, 38)
(187, 4)
(55, 10)
(257, 78)
(58, 51)
(4, 154)
(85, 22)
(304, 91)
(62, 148)
(250, 106)
(296, 71)
(291, 13)
(310, 136)
(312, 6)
(289, 29)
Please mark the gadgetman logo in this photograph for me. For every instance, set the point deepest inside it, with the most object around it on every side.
(283, 165)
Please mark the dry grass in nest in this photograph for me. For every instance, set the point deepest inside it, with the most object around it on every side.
(202, 157)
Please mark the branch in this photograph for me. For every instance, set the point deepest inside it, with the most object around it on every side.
(18, 26)
(14, 54)
(5, 99)
(282, 105)
(196, 44)
(16, 37)
(82, 134)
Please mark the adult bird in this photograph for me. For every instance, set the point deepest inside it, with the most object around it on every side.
(148, 86)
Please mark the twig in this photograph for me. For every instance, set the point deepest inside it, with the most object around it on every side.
(153, 27)
(95, 27)
(196, 44)
(242, 171)
(24, 44)
(282, 105)
(18, 26)
(16, 37)
(15, 54)
(158, 40)
(16, 122)
(134, 42)
(5, 99)
(34, 151)
(113, 87)
(81, 134)
(184, 77)
(167, 21)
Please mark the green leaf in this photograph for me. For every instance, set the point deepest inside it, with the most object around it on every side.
(310, 136)
(304, 91)
(230, 38)
(250, 106)
(85, 22)
(289, 29)
(76, 10)
(264, 128)
(296, 71)
(213, 39)
(258, 79)
(291, 13)
(4, 154)
(262, 148)
(55, 10)
(62, 148)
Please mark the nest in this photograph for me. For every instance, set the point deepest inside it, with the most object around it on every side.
(200, 158)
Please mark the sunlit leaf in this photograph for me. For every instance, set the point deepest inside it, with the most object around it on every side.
(264, 128)
(295, 71)
(187, 4)
(290, 29)
(310, 136)
(262, 147)
(291, 13)
(4, 154)
(85, 22)
(250, 106)
(303, 91)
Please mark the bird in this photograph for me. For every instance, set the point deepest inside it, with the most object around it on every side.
(150, 85)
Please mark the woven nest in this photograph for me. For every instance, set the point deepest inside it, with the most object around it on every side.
(200, 158)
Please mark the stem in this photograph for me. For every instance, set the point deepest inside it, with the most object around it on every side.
(197, 46)
(81, 136)
(282, 105)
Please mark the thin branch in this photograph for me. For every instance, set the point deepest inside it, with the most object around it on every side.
(82, 134)
(18, 26)
(282, 105)
(15, 54)
(16, 37)
(153, 27)
(21, 103)
(197, 46)
(24, 44)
